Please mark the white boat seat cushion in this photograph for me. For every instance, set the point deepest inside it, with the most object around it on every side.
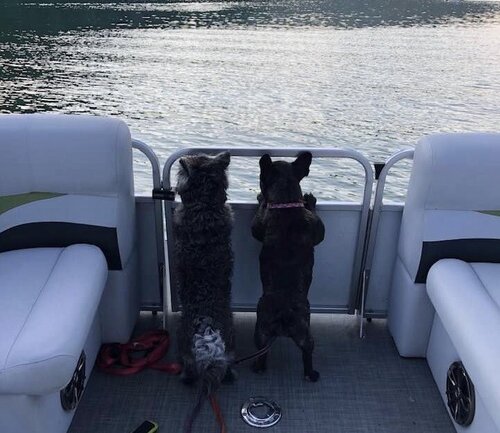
(453, 204)
(36, 220)
(452, 210)
(466, 297)
(65, 180)
(49, 298)
(65, 154)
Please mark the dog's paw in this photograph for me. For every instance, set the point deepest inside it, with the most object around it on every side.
(313, 376)
(258, 367)
(310, 201)
(230, 376)
(188, 379)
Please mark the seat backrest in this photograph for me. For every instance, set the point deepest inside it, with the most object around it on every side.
(453, 205)
(66, 179)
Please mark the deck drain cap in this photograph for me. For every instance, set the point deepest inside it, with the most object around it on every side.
(260, 412)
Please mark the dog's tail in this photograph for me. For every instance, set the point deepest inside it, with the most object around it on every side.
(209, 351)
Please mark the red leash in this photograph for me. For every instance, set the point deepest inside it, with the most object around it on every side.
(117, 358)
(218, 413)
(196, 410)
(213, 400)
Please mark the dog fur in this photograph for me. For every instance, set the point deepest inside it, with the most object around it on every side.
(204, 261)
(288, 238)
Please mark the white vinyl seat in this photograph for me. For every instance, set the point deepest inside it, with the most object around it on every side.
(466, 297)
(67, 260)
(49, 299)
(445, 294)
(451, 211)
(67, 180)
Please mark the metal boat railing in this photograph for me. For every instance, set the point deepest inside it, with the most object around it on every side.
(368, 224)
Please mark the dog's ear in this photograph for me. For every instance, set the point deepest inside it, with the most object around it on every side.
(301, 165)
(185, 165)
(265, 164)
(223, 159)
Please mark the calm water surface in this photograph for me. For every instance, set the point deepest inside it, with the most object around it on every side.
(372, 75)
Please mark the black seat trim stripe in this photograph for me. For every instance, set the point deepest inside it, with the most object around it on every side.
(63, 234)
(468, 250)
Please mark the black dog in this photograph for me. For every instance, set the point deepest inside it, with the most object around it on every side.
(288, 227)
(204, 262)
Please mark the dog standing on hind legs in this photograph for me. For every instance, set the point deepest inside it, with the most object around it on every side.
(288, 227)
(202, 226)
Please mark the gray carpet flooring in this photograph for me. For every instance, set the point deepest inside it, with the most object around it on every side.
(365, 387)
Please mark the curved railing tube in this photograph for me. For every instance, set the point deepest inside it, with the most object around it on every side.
(158, 210)
(372, 235)
(291, 152)
(153, 159)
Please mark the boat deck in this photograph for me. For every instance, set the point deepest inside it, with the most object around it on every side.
(365, 387)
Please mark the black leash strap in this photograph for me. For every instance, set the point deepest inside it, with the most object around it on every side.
(215, 405)
(260, 352)
(194, 413)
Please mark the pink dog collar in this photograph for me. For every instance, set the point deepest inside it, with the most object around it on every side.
(284, 205)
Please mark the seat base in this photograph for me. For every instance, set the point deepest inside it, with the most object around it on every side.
(466, 324)
(120, 303)
(44, 413)
(440, 355)
(410, 314)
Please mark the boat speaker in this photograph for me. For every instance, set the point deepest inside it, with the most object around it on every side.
(71, 394)
(461, 395)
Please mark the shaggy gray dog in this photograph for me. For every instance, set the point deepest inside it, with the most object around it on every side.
(204, 262)
(287, 225)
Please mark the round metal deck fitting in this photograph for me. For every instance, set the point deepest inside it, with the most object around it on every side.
(269, 416)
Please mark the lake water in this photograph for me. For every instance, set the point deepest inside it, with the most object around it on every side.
(372, 75)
